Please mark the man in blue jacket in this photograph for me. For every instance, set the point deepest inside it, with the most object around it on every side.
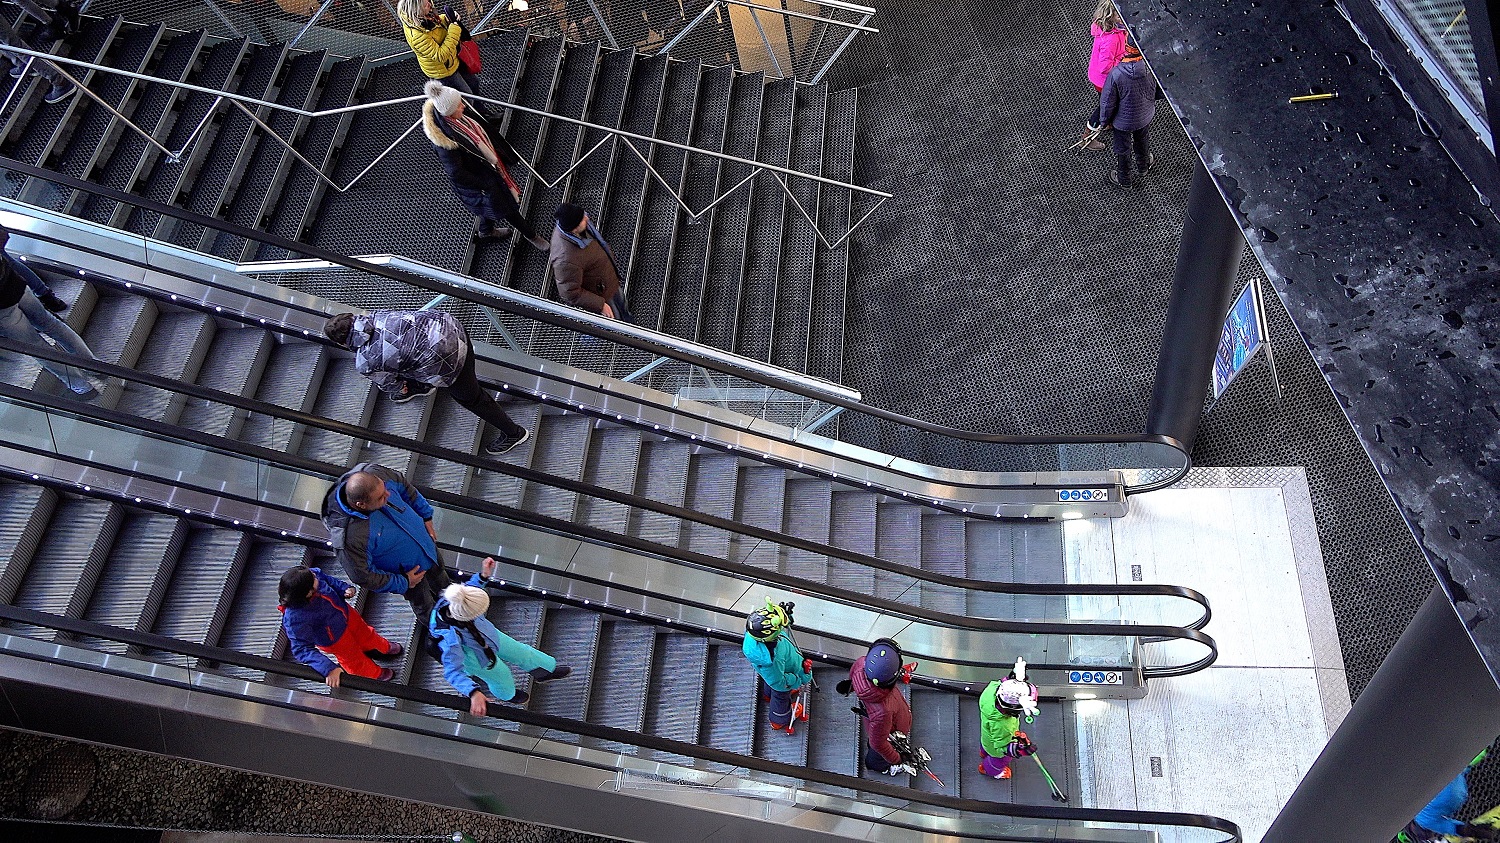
(381, 529)
(1127, 104)
(777, 660)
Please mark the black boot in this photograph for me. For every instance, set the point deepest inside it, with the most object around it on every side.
(1120, 175)
(543, 675)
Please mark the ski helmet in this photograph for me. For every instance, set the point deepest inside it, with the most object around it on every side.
(1017, 696)
(765, 624)
(883, 663)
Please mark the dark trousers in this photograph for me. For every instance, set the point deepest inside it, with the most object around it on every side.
(470, 395)
(874, 761)
(780, 708)
(502, 202)
(621, 309)
(1123, 143)
(424, 596)
(462, 80)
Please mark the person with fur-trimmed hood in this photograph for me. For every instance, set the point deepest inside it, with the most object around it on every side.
(476, 157)
(876, 679)
(476, 656)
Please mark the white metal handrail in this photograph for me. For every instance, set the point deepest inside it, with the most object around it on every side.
(779, 173)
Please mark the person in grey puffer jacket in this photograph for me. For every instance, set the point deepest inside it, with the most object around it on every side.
(409, 352)
(1128, 104)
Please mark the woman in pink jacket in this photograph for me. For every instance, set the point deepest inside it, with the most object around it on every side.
(1109, 45)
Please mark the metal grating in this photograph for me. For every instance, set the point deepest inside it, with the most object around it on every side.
(795, 279)
(250, 198)
(621, 201)
(303, 190)
(757, 311)
(655, 241)
(682, 303)
(224, 159)
(41, 130)
(724, 276)
(165, 178)
(611, 88)
(614, 455)
(825, 358)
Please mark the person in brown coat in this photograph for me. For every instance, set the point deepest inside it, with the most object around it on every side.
(584, 266)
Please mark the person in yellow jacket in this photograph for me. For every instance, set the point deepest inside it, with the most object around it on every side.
(435, 37)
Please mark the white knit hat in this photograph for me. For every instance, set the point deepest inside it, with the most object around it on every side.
(445, 99)
(465, 602)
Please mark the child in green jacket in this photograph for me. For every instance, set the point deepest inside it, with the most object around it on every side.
(1001, 707)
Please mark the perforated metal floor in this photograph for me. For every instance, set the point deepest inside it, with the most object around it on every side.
(1006, 288)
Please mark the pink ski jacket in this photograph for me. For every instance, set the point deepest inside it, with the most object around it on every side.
(1108, 48)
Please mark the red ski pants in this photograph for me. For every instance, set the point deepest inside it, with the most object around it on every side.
(350, 649)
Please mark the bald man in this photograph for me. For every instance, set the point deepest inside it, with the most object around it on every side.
(380, 527)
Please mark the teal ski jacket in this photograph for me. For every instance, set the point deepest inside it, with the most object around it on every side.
(782, 669)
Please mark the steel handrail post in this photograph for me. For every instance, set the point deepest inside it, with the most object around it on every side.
(848, 39)
(310, 21)
(775, 60)
(689, 28)
(788, 13)
(614, 44)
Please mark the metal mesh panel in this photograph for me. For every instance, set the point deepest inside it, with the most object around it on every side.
(795, 280)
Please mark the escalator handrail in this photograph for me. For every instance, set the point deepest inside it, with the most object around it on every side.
(599, 536)
(607, 329)
(152, 641)
(578, 486)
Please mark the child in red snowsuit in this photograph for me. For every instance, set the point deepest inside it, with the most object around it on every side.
(320, 623)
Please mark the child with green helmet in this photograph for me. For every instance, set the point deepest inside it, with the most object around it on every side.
(777, 660)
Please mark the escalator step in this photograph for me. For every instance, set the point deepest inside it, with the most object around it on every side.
(68, 561)
(204, 579)
(898, 537)
(451, 426)
(832, 728)
(561, 450)
(729, 701)
(614, 456)
(663, 477)
(988, 557)
(808, 504)
(135, 574)
(253, 622)
(674, 704)
(711, 490)
(234, 364)
(288, 381)
(407, 420)
(500, 488)
(934, 725)
(853, 518)
(25, 511)
(943, 553)
(762, 495)
(618, 692)
(176, 348)
(1038, 551)
(344, 396)
(391, 616)
(572, 637)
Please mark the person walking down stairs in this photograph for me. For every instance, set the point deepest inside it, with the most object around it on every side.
(477, 158)
(584, 265)
(56, 24)
(476, 655)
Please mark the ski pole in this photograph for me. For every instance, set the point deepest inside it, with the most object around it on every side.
(1056, 791)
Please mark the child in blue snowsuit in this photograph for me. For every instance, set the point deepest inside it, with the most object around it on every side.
(777, 660)
(476, 655)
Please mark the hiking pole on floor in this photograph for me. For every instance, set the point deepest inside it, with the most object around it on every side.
(1057, 793)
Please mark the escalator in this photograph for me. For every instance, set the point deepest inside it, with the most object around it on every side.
(100, 553)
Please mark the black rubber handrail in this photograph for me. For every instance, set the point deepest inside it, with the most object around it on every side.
(598, 536)
(563, 320)
(151, 641)
(218, 519)
(589, 489)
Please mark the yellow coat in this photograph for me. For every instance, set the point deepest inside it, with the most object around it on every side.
(436, 48)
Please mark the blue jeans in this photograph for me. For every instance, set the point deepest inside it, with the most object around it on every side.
(28, 321)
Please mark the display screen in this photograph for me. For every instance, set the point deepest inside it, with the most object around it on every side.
(1241, 337)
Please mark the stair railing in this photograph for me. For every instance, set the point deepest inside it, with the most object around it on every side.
(611, 135)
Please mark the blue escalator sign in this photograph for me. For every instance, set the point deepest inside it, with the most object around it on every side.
(1096, 677)
(1065, 495)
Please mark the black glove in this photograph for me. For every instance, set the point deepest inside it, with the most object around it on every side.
(451, 15)
(50, 301)
(788, 607)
